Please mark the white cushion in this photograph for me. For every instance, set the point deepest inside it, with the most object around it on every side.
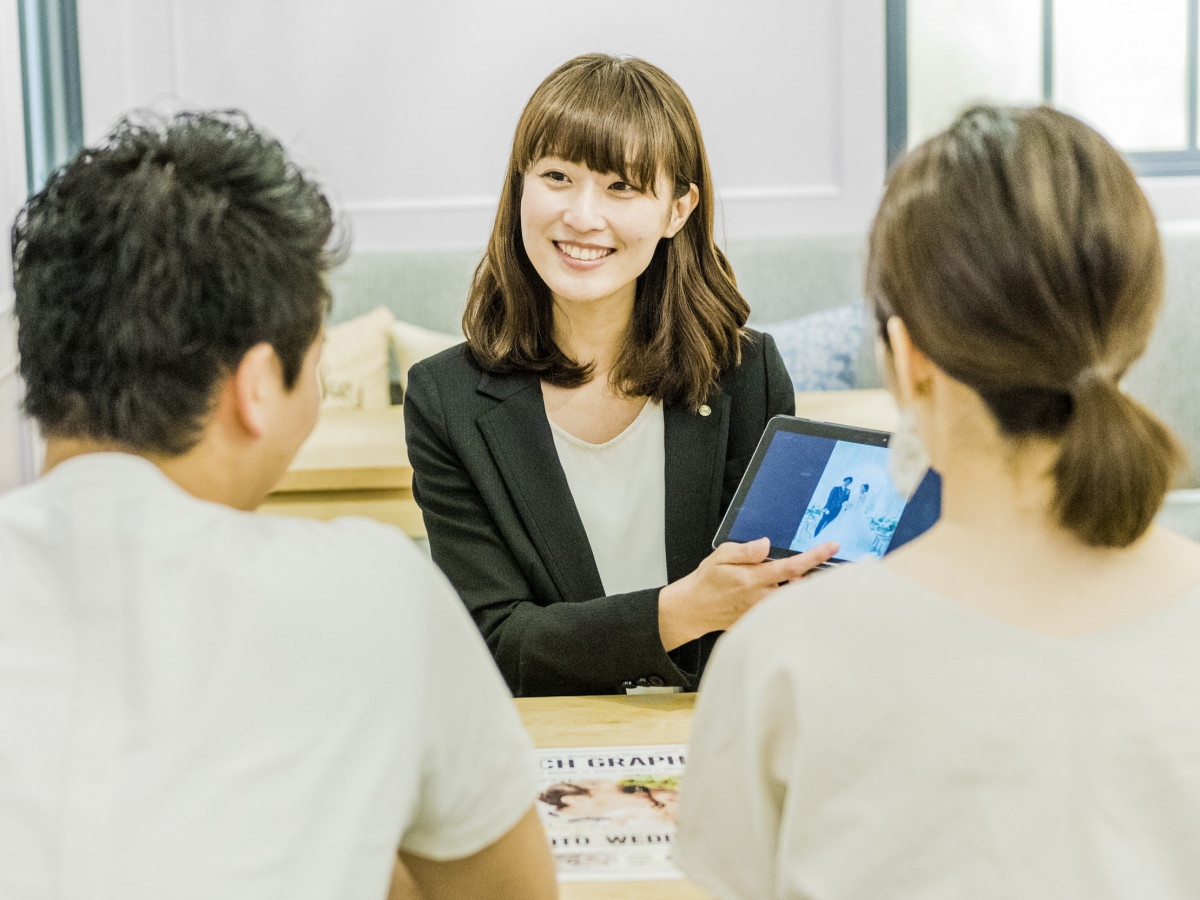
(354, 362)
(412, 343)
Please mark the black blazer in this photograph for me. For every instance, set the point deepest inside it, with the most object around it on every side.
(504, 528)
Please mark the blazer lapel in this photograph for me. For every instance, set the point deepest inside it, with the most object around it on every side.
(695, 471)
(519, 438)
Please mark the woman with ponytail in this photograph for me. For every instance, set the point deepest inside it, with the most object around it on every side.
(1005, 707)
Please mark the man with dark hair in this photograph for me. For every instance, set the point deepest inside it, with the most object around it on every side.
(196, 701)
(838, 495)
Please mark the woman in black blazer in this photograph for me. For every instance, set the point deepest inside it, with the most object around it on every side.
(602, 304)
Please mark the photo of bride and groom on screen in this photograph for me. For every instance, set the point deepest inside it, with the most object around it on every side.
(854, 504)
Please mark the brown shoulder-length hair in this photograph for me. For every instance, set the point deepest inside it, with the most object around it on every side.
(626, 116)
(1026, 263)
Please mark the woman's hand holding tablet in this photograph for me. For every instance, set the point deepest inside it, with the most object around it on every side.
(728, 582)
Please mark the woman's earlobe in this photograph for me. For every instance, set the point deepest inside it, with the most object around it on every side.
(912, 369)
(884, 362)
(900, 354)
(896, 332)
(681, 209)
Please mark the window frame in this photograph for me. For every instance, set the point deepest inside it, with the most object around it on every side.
(50, 85)
(1148, 163)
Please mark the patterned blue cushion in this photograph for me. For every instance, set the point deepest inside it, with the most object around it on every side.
(821, 349)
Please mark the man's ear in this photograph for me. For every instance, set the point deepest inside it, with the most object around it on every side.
(254, 384)
(681, 208)
(912, 371)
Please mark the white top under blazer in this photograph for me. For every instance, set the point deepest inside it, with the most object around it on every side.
(619, 488)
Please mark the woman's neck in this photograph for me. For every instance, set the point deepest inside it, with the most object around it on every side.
(1000, 487)
(593, 331)
(998, 546)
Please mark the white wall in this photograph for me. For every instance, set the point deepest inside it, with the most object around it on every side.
(406, 110)
(15, 445)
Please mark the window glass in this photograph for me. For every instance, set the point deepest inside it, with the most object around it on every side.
(967, 51)
(1106, 55)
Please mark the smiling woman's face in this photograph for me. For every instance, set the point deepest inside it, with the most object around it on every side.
(589, 234)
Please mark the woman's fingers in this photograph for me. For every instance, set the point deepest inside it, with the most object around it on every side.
(773, 571)
(747, 553)
(781, 571)
(732, 579)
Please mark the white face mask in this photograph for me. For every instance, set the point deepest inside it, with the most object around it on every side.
(907, 460)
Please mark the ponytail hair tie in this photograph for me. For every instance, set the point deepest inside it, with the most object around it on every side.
(1090, 376)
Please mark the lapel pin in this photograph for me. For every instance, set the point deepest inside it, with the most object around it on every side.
(705, 410)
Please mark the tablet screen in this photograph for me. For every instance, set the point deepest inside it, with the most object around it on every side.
(812, 482)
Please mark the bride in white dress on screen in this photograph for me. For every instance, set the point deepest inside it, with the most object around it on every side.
(852, 529)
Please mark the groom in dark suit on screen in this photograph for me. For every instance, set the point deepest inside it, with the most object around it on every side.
(833, 505)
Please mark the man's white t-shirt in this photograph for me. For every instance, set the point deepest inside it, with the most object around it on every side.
(858, 736)
(197, 702)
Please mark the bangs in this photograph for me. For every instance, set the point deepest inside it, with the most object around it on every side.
(610, 120)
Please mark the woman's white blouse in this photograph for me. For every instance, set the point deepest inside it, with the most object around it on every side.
(619, 488)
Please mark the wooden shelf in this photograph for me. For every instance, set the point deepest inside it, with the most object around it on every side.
(355, 463)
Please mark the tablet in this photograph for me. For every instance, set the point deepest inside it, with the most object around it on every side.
(811, 482)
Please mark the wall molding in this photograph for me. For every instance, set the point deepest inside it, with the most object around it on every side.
(797, 192)
(1173, 198)
(441, 205)
(424, 205)
(465, 222)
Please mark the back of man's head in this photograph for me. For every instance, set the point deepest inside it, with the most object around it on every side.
(148, 266)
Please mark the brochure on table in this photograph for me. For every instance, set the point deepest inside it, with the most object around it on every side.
(609, 812)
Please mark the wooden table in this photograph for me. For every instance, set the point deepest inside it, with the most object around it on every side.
(353, 464)
(600, 722)
(606, 722)
(870, 408)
